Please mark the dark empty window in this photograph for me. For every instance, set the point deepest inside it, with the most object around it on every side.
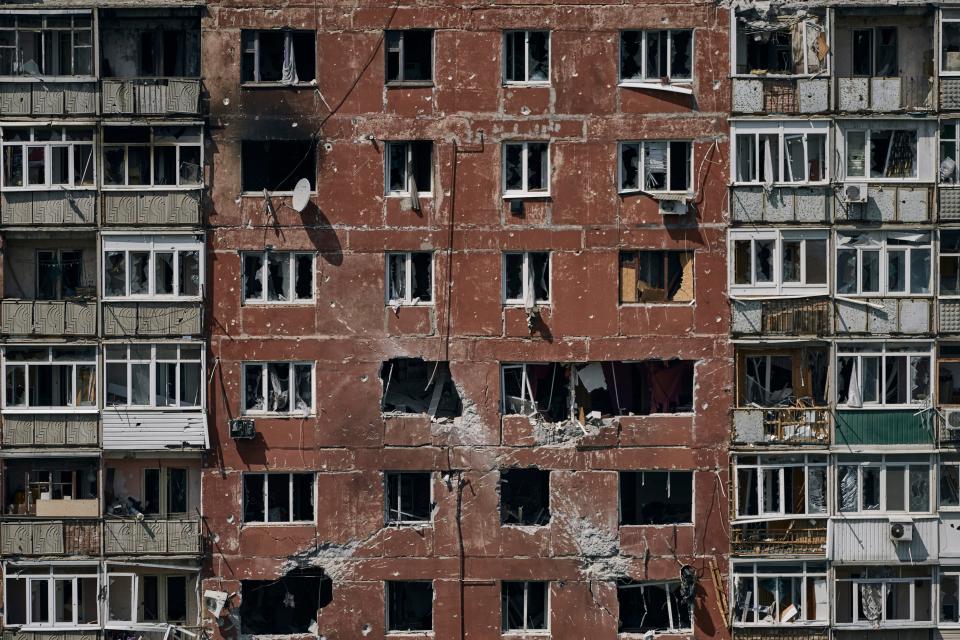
(285, 605)
(525, 497)
(541, 389)
(656, 497)
(412, 385)
(408, 497)
(59, 273)
(526, 56)
(770, 51)
(656, 276)
(176, 598)
(409, 56)
(409, 277)
(656, 55)
(652, 607)
(409, 167)
(875, 52)
(524, 606)
(278, 497)
(409, 606)
(526, 278)
(278, 56)
(277, 165)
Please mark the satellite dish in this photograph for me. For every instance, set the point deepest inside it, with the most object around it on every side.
(301, 194)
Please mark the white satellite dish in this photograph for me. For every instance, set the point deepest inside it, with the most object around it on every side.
(301, 194)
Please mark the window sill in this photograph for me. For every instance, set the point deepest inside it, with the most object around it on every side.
(523, 633)
(409, 524)
(400, 304)
(279, 303)
(280, 416)
(885, 407)
(520, 84)
(295, 523)
(51, 188)
(658, 303)
(409, 84)
(137, 409)
(310, 84)
(688, 195)
(647, 526)
(882, 181)
(786, 185)
(685, 88)
(526, 195)
(271, 194)
(148, 187)
(406, 194)
(156, 299)
(646, 634)
(519, 304)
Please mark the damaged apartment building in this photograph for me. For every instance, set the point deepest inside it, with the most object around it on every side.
(101, 319)
(844, 266)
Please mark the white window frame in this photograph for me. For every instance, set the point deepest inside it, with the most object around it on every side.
(883, 464)
(526, 58)
(526, 279)
(45, 32)
(782, 130)
(641, 149)
(644, 80)
(176, 244)
(880, 349)
(288, 34)
(810, 572)
(885, 583)
(526, 391)
(777, 465)
(407, 300)
(880, 243)
(953, 180)
(400, 48)
(163, 597)
(152, 363)
(291, 258)
(946, 17)
(777, 287)
(951, 572)
(266, 498)
(26, 365)
(151, 147)
(10, 573)
(387, 475)
(163, 478)
(941, 467)
(524, 630)
(845, 129)
(265, 384)
(134, 598)
(407, 169)
(62, 142)
(525, 164)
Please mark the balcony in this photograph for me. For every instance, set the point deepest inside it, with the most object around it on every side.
(151, 536)
(48, 317)
(151, 96)
(151, 207)
(51, 430)
(781, 204)
(48, 98)
(766, 541)
(806, 316)
(48, 208)
(868, 540)
(877, 94)
(781, 633)
(781, 95)
(884, 315)
(858, 427)
(159, 319)
(782, 425)
(30, 537)
(887, 203)
(131, 430)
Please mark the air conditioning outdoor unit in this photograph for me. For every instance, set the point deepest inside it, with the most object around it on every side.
(673, 208)
(242, 429)
(952, 421)
(901, 530)
(854, 192)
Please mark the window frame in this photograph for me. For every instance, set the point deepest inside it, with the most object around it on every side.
(26, 365)
(874, 49)
(884, 620)
(808, 575)
(10, 574)
(782, 130)
(645, 80)
(778, 464)
(389, 521)
(525, 630)
(407, 169)
(777, 286)
(946, 17)
(883, 256)
(880, 350)
(641, 148)
(63, 142)
(407, 300)
(153, 364)
(519, 302)
(505, 67)
(401, 48)
(265, 383)
(291, 259)
(266, 488)
(942, 139)
(153, 244)
(526, 191)
(664, 254)
(164, 479)
(288, 33)
(867, 127)
(43, 33)
(152, 146)
(883, 463)
(668, 586)
(57, 253)
(942, 465)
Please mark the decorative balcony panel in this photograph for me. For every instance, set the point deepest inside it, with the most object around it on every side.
(887, 203)
(151, 319)
(858, 540)
(125, 430)
(949, 94)
(884, 94)
(782, 425)
(857, 427)
(781, 204)
(949, 320)
(175, 536)
(48, 317)
(51, 430)
(57, 207)
(781, 633)
(884, 315)
(50, 537)
(11, 634)
(151, 96)
(781, 95)
(949, 203)
(151, 207)
(48, 98)
(769, 541)
(804, 316)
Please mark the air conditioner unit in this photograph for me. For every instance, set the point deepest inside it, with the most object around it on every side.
(854, 192)
(951, 418)
(901, 530)
(673, 208)
(242, 429)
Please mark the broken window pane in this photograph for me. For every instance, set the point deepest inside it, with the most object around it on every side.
(527, 278)
(525, 497)
(656, 276)
(303, 497)
(542, 389)
(524, 605)
(253, 498)
(284, 606)
(176, 598)
(278, 497)
(527, 56)
(282, 56)
(949, 598)
(629, 166)
(409, 56)
(656, 497)
(150, 503)
(278, 276)
(526, 167)
(886, 65)
(120, 606)
(652, 607)
(409, 606)
(408, 497)
(410, 167)
(277, 165)
(412, 385)
(278, 387)
(769, 51)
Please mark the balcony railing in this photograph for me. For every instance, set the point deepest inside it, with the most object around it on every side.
(781, 633)
(49, 317)
(884, 94)
(783, 317)
(151, 318)
(40, 537)
(48, 98)
(762, 541)
(151, 207)
(51, 430)
(173, 536)
(47, 208)
(782, 425)
(780, 95)
(151, 96)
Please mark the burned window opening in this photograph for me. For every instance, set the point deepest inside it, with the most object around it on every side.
(278, 56)
(413, 385)
(46, 45)
(409, 606)
(525, 605)
(656, 276)
(284, 606)
(408, 497)
(409, 56)
(525, 497)
(656, 497)
(652, 607)
(163, 44)
(277, 165)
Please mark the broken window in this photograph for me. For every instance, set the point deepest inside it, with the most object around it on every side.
(656, 276)
(881, 153)
(948, 374)
(778, 262)
(163, 598)
(526, 278)
(605, 389)
(525, 605)
(47, 377)
(409, 605)
(776, 486)
(656, 165)
(526, 56)
(278, 497)
(536, 389)
(781, 153)
(152, 156)
(526, 169)
(286, 605)
(949, 263)
(412, 385)
(52, 596)
(872, 484)
(792, 43)
(408, 497)
(891, 263)
(949, 595)
(873, 595)
(275, 166)
(147, 266)
(656, 56)
(164, 492)
(46, 158)
(782, 378)
(277, 277)
(409, 56)
(949, 45)
(46, 44)
(409, 278)
(777, 593)
(769, 379)
(278, 387)
(875, 52)
(883, 374)
(160, 375)
(409, 168)
(949, 473)
(648, 607)
(525, 497)
(59, 273)
(656, 497)
(949, 172)
(278, 56)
